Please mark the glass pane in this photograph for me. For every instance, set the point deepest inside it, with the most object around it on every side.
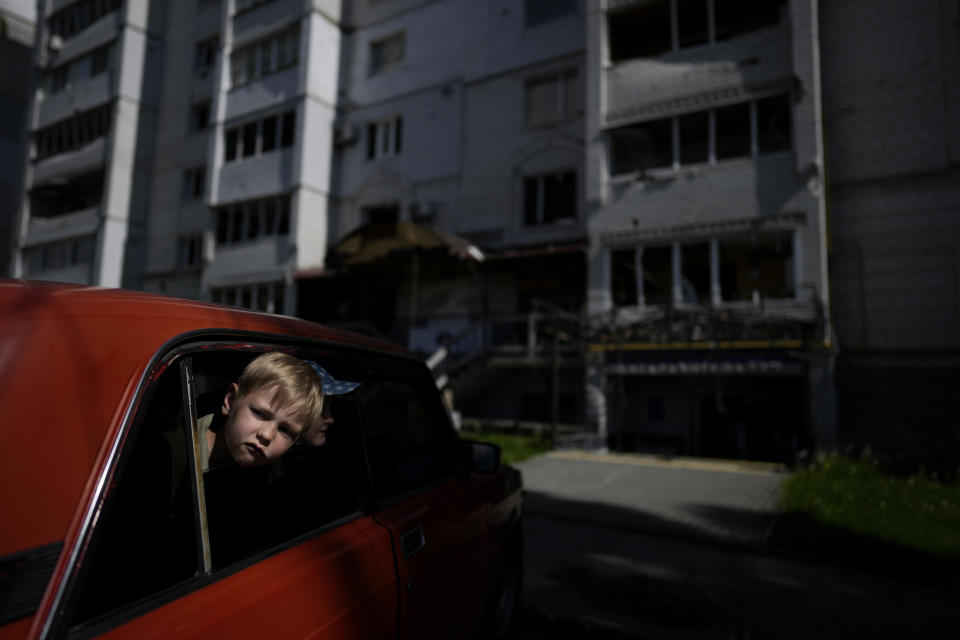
(249, 139)
(640, 32)
(269, 134)
(642, 146)
(694, 138)
(773, 124)
(733, 131)
(692, 26)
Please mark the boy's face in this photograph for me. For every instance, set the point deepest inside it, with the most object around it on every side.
(258, 430)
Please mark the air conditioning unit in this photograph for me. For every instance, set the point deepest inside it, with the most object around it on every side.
(55, 44)
(345, 134)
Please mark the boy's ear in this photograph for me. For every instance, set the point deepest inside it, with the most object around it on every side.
(230, 398)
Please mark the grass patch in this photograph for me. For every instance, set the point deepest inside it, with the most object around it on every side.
(513, 447)
(848, 507)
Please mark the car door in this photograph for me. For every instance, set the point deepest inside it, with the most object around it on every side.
(437, 516)
(284, 551)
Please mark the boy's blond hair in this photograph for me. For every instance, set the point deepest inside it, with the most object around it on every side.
(296, 382)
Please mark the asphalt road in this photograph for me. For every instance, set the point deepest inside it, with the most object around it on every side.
(630, 547)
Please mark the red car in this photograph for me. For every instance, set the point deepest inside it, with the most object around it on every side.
(394, 528)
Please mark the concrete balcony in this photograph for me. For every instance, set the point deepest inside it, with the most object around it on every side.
(263, 93)
(87, 159)
(261, 260)
(700, 77)
(70, 225)
(82, 96)
(256, 177)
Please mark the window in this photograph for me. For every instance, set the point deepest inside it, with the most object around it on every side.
(194, 184)
(410, 443)
(150, 505)
(695, 273)
(384, 138)
(63, 254)
(648, 30)
(269, 137)
(99, 60)
(540, 11)
(73, 133)
(76, 17)
(242, 141)
(286, 132)
(387, 53)
(253, 219)
(773, 124)
(246, 5)
(205, 54)
(550, 198)
(190, 250)
(230, 145)
(643, 146)
(638, 147)
(641, 276)
(553, 99)
(88, 66)
(263, 296)
(266, 56)
(199, 116)
(249, 139)
(641, 32)
(733, 131)
(153, 499)
(756, 267)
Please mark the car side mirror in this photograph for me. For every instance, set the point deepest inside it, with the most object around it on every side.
(481, 457)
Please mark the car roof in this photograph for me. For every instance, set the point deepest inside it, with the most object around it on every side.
(71, 360)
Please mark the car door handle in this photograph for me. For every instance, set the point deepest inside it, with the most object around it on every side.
(412, 541)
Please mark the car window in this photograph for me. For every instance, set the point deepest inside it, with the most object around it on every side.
(147, 541)
(159, 529)
(249, 510)
(406, 429)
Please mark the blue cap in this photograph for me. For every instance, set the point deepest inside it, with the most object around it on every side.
(331, 386)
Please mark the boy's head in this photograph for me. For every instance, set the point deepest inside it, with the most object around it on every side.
(269, 407)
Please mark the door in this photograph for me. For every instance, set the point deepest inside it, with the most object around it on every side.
(437, 516)
(285, 550)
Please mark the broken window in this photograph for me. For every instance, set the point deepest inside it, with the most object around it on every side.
(640, 32)
(638, 147)
(692, 23)
(623, 277)
(733, 131)
(756, 267)
(550, 198)
(657, 263)
(695, 283)
(695, 137)
(736, 17)
(382, 214)
(773, 124)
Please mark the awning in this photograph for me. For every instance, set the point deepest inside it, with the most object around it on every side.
(374, 242)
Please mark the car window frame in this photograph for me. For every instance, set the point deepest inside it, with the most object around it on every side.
(449, 433)
(175, 352)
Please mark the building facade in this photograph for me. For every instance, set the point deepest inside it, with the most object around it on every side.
(708, 287)
(17, 30)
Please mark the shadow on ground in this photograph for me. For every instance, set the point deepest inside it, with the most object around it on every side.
(621, 572)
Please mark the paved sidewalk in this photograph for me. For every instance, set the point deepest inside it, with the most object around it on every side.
(729, 501)
(622, 546)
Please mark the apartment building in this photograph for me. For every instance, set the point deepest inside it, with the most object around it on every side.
(17, 30)
(708, 285)
(463, 118)
(891, 105)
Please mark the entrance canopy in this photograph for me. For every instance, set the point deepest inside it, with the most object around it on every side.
(374, 242)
